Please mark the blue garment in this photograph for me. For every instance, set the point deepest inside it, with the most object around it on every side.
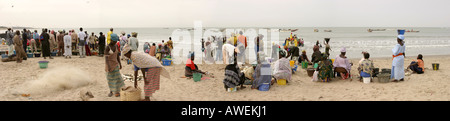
(137, 68)
(416, 68)
(364, 74)
(262, 75)
(397, 72)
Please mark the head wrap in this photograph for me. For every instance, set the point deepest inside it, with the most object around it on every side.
(134, 34)
(324, 56)
(401, 37)
(343, 49)
(303, 51)
(114, 37)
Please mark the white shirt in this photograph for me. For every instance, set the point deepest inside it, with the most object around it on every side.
(81, 35)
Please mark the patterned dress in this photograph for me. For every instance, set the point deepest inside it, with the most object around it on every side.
(325, 70)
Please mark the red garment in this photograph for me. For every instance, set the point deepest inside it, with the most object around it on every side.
(88, 51)
(190, 64)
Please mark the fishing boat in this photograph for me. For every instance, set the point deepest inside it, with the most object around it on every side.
(316, 30)
(412, 30)
(327, 30)
(288, 30)
(371, 30)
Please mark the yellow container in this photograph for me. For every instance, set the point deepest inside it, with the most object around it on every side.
(332, 61)
(281, 81)
(292, 63)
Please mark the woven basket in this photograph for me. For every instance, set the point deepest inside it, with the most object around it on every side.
(130, 94)
(384, 77)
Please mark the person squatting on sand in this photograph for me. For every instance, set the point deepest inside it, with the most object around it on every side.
(417, 66)
(325, 69)
(397, 71)
(150, 67)
(262, 72)
(315, 57)
(113, 66)
(282, 68)
(233, 76)
(366, 67)
(192, 68)
(303, 57)
(342, 65)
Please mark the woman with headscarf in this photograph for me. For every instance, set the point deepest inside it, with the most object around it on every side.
(317, 55)
(20, 53)
(113, 66)
(303, 57)
(325, 68)
(282, 68)
(191, 67)
(398, 57)
(233, 75)
(151, 70)
(262, 72)
(342, 65)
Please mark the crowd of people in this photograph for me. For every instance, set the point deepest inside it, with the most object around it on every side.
(231, 50)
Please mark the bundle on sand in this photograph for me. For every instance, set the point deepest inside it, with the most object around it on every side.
(58, 79)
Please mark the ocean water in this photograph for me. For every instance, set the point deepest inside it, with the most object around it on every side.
(429, 41)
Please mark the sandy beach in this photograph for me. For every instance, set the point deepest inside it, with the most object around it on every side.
(15, 79)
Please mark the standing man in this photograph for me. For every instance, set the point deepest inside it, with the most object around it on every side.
(9, 41)
(52, 40)
(74, 37)
(60, 41)
(24, 40)
(45, 44)
(134, 42)
(108, 35)
(397, 71)
(81, 43)
(92, 41)
(67, 45)
(101, 44)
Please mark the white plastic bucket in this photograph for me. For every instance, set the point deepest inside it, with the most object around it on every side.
(366, 80)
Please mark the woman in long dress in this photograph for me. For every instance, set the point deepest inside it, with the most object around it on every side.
(113, 66)
(151, 70)
(397, 71)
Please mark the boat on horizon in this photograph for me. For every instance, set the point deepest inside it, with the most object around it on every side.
(316, 30)
(371, 30)
(327, 30)
(412, 30)
(288, 30)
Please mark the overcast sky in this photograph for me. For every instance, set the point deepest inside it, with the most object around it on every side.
(225, 13)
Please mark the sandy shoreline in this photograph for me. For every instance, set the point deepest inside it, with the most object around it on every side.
(433, 85)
